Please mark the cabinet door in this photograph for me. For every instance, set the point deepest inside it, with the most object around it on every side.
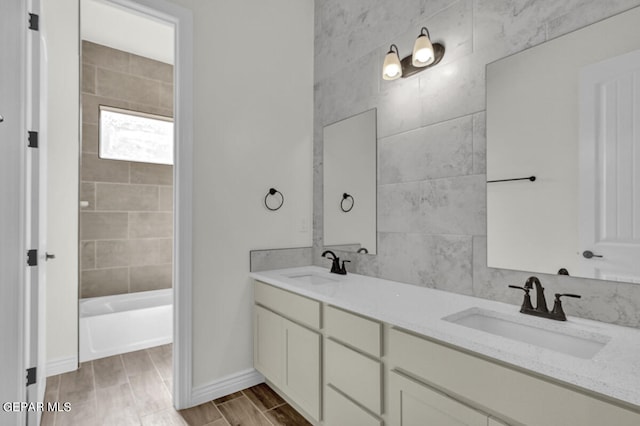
(302, 367)
(414, 404)
(268, 342)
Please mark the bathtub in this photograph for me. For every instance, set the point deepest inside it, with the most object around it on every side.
(112, 325)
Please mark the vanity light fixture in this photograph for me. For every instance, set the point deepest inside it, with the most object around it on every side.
(425, 54)
(392, 69)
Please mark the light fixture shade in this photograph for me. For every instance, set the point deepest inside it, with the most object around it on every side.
(391, 68)
(423, 54)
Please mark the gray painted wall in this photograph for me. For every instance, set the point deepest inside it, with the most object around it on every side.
(431, 137)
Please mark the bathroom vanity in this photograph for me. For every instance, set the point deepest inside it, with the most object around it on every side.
(356, 350)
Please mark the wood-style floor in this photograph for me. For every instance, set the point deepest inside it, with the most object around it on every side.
(134, 389)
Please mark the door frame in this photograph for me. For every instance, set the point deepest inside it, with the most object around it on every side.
(182, 19)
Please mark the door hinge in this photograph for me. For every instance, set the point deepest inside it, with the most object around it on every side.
(31, 376)
(34, 22)
(33, 139)
(32, 257)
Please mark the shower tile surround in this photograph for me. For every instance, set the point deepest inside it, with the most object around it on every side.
(431, 137)
(126, 232)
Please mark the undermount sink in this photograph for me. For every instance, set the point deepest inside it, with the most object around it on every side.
(312, 278)
(578, 343)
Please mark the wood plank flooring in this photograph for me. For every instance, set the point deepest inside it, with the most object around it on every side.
(135, 389)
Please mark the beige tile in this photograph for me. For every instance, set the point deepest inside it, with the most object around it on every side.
(240, 411)
(150, 225)
(96, 169)
(112, 253)
(88, 78)
(200, 415)
(150, 109)
(91, 107)
(88, 194)
(151, 174)
(121, 197)
(87, 255)
(162, 358)
(263, 397)
(105, 57)
(153, 277)
(76, 386)
(168, 383)
(163, 418)
(285, 415)
(116, 407)
(104, 282)
(117, 85)
(109, 372)
(48, 418)
(219, 422)
(166, 198)
(103, 225)
(148, 68)
(151, 252)
(150, 393)
(166, 96)
(83, 414)
(137, 362)
(89, 138)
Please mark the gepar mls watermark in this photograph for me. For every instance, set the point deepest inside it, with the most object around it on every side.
(16, 407)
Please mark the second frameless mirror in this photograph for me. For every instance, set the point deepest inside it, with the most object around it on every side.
(350, 155)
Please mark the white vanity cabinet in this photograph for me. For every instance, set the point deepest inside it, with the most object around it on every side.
(287, 345)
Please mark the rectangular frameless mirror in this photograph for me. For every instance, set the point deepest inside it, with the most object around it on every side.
(568, 113)
(350, 150)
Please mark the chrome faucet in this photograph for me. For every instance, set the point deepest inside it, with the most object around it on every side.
(541, 309)
(335, 265)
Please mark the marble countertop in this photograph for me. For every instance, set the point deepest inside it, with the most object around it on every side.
(613, 371)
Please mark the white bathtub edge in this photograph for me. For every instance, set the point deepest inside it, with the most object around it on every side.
(61, 365)
(225, 386)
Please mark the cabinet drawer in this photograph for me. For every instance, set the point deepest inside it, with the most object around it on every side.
(354, 374)
(359, 332)
(414, 404)
(341, 411)
(500, 388)
(297, 308)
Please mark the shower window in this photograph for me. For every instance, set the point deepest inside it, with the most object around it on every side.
(135, 136)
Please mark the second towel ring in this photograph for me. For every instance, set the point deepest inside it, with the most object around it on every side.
(345, 197)
(273, 191)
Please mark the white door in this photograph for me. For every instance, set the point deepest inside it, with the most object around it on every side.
(610, 169)
(36, 217)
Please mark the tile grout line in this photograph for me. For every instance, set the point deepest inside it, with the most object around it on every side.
(257, 408)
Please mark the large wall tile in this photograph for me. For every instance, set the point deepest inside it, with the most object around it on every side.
(151, 174)
(105, 282)
(146, 278)
(151, 251)
(455, 206)
(103, 225)
(88, 194)
(96, 54)
(95, 169)
(89, 138)
(151, 69)
(480, 143)
(126, 197)
(585, 12)
(399, 208)
(91, 106)
(150, 225)
(88, 78)
(112, 84)
(112, 253)
(440, 150)
(87, 255)
(165, 202)
(404, 257)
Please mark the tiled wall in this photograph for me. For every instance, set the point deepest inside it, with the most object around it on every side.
(126, 232)
(431, 137)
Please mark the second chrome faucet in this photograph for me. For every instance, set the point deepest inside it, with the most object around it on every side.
(541, 310)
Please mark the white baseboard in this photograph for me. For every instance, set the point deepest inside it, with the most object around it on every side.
(225, 386)
(62, 365)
